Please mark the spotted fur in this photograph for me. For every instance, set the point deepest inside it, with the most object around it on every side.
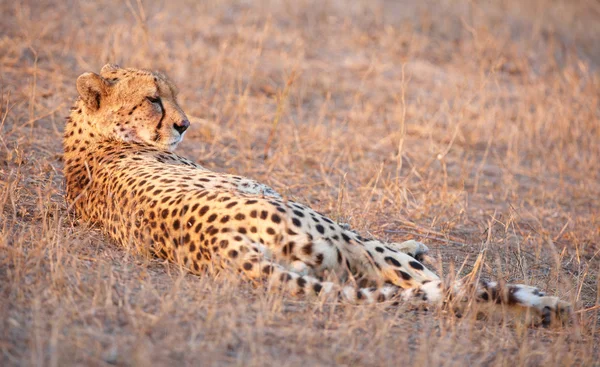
(122, 176)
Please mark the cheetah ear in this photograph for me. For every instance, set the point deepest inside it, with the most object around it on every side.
(91, 88)
(108, 68)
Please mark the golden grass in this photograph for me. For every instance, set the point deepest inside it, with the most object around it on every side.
(469, 126)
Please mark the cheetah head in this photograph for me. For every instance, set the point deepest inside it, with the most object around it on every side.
(133, 105)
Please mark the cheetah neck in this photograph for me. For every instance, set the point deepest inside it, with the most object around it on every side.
(81, 142)
(80, 137)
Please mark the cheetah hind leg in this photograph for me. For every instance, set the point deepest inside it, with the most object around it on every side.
(255, 262)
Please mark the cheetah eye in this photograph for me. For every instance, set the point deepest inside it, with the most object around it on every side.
(155, 101)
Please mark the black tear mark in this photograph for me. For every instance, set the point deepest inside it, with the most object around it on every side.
(159, 126)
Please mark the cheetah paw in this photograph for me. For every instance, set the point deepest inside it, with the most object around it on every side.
(553, 310)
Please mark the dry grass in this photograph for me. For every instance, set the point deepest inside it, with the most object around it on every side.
(453, 122)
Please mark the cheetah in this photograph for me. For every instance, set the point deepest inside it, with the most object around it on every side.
(123, 177)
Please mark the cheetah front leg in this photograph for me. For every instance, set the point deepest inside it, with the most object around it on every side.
(398, 266)
(514, 300)
(524, 301)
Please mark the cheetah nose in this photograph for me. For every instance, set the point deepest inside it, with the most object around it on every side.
(182, 126)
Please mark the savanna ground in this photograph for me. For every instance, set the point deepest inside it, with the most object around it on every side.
(472, 126)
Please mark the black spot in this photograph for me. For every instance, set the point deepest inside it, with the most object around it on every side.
(203, 210)
(416, 265)
(512, 298)
(268, 269)
(301, 282)
(319, 259)
(379, 249)
(248, 266)
(276, 218)
(345, 237)
(288, 248)
(392, 261)
(285, 277)
(176, 224)
(253, 214)
(264, 214)
(233, 254)
(296, 222)
(403, 275)
(270, 231)
(321, 229)
(317, 288)
(211, 218)
(240, 216)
